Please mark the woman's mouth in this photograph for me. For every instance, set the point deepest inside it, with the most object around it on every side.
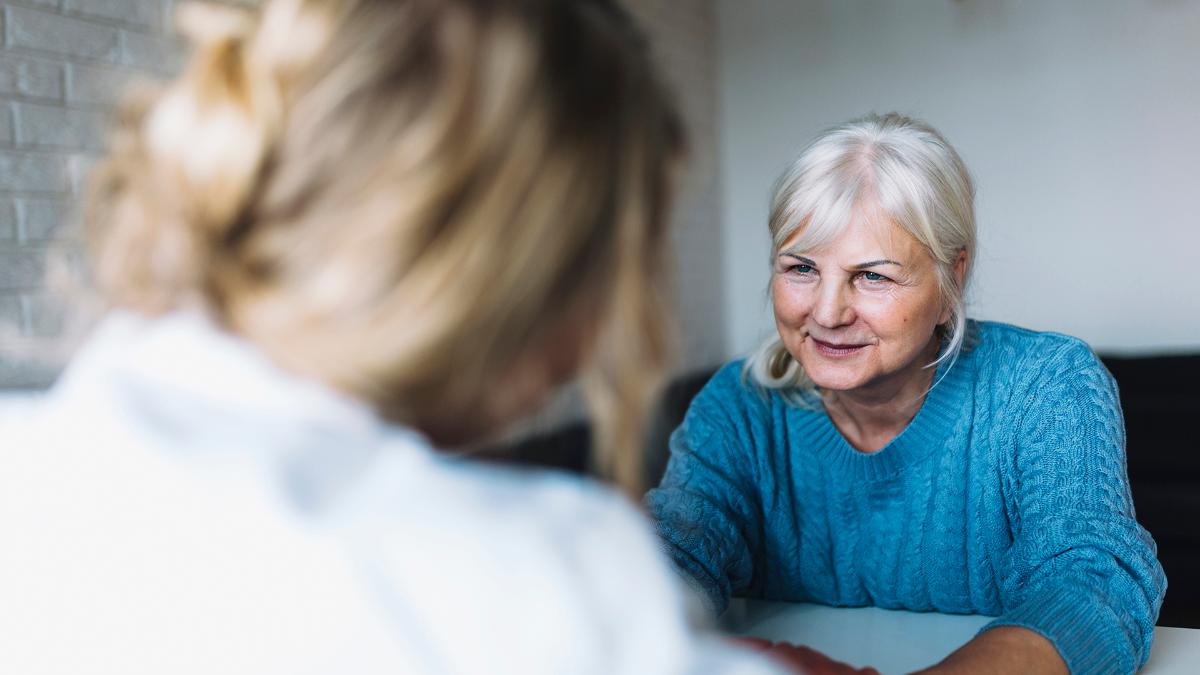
(836, 350)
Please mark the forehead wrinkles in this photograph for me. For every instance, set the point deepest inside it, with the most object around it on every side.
(875, 237)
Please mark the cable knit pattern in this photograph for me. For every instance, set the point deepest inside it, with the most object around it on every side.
(1006, 495)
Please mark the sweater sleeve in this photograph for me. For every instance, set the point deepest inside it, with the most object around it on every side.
(706, 507)
(1081, 571)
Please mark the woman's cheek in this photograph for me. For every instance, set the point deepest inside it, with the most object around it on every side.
(878, 308)
(791, 308)
(891, 307)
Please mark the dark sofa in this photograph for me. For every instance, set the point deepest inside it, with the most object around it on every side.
(1161, 400)
(1160, 396)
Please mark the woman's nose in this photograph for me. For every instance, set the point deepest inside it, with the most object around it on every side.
(833, 307)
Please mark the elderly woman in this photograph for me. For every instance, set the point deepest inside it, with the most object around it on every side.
(884, 450)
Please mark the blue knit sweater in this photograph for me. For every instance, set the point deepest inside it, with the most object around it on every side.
(1006, 496)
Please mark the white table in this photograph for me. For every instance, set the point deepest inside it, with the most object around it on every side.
(901, 642)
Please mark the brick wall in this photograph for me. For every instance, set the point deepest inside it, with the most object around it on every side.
(64, 62)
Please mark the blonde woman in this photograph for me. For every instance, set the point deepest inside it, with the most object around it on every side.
(351, 231)
(881, 449)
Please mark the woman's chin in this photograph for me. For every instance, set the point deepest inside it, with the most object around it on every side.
(836, 374)
(837, 384)
(832, 377)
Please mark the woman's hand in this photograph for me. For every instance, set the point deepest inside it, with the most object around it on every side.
(1005, 649)
(802, 659)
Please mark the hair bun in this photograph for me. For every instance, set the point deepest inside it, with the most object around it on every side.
(213, 128)
(205, 24)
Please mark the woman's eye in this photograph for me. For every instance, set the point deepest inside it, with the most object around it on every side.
(802, 268)
(874, 277)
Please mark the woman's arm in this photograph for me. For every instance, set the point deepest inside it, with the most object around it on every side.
(1081, 576)
(706, 508)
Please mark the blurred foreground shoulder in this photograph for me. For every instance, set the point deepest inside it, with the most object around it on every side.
(554, 573)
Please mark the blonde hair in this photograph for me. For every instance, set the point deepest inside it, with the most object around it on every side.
(399, 197)
(912, 174)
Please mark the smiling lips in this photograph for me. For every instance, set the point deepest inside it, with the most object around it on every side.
(833, 350)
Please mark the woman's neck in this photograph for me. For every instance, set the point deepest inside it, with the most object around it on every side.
(870, 417)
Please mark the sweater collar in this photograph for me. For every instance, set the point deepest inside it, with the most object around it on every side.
(197, 394)
(927, 432)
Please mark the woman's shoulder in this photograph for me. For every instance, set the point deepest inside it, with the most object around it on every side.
(1031, 361)
(733, 386)
(531, 552)
(733, 401)
(492, 501)
(1007, 333)
(729, 380)
(503, 515)
(1026, 348)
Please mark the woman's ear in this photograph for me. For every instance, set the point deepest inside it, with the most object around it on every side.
(960, 276)
(960, 268)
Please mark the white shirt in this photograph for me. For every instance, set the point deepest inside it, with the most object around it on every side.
(176, 504)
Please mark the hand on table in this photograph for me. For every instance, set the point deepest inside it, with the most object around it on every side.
(802, 659)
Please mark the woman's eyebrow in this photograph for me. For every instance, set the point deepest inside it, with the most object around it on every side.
(876, 263)
(807, 261)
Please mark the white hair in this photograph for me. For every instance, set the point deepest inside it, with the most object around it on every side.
(906, 169)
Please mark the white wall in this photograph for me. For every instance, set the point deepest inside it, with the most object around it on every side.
(1080, 120)
(682, 36)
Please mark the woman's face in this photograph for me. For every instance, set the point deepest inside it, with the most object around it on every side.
(861, 311)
